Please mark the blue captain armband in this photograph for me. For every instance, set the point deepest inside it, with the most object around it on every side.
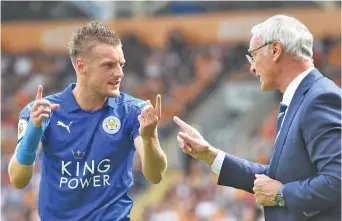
(27, 148)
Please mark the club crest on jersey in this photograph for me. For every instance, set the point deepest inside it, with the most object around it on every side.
(111, 124)
(78, 155)
(22, 125)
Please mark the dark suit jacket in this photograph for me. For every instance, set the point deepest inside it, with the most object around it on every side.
(306, 158)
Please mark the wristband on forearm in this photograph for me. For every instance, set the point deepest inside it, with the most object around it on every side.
(27, 148)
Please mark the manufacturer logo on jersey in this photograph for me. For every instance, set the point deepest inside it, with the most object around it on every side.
(60, 123)
(22, 125)
(111, 124)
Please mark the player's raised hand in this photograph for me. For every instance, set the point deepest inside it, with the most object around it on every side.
(149, 118)
(41, 108)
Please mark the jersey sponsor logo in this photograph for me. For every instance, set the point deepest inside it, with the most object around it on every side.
(67, 127)
(22, 125)
(111, 124)
(81, 174)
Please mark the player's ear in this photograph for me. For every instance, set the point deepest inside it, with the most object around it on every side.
(80, 66)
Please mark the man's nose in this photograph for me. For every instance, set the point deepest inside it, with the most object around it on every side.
(252, 69)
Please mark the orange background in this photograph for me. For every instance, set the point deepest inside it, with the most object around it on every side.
(204, 29)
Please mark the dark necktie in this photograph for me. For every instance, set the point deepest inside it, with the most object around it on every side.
(281, 115)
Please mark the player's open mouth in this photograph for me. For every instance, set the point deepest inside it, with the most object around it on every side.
(115, 83)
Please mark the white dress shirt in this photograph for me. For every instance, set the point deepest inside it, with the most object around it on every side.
(287, 97)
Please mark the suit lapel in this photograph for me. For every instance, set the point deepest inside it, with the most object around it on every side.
(291, 112)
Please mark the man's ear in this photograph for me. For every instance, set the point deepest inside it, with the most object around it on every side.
(277, 50)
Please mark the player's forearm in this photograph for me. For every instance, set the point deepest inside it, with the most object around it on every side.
(154, 161)
(20, 175)
(21, 165)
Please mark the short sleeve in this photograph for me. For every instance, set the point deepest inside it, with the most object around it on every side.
(136, 111)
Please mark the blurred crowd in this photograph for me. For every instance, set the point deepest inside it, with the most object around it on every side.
(196, 197)
(61, 10)
(181, 72)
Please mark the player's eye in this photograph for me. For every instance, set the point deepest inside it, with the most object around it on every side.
(108, 65)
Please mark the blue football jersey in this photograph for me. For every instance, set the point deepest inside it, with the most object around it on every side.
(86, 159)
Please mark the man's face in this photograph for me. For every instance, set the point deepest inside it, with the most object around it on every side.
(102, 69)
(262, 64)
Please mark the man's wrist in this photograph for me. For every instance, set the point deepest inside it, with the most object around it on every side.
(218, 162)
(211, 156)
(279, 196)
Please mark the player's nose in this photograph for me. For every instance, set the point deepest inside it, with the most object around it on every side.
(119, 73)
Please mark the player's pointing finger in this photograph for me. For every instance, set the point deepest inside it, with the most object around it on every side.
(158, 106)
(39, 92)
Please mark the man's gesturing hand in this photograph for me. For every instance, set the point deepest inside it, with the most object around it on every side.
(41, 109)
(150, 118)
(191, 141)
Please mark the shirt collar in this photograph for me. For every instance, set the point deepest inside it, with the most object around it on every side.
(70, 103)
(291, 89)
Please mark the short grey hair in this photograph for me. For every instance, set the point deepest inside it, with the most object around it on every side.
(293, 35)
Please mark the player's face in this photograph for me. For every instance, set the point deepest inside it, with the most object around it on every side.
(104, 69)
(262, 64)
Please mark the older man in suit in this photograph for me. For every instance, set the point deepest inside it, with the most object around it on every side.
(303, 178)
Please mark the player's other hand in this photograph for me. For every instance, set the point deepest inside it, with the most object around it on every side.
(41, 108)
(149, 119)
(191, 142)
